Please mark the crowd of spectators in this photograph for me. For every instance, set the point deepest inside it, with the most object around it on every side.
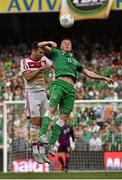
(96, 127)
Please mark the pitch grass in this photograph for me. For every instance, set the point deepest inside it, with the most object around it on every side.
(63, 175)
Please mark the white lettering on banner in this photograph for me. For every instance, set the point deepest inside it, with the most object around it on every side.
(29, 166)
(115, 163)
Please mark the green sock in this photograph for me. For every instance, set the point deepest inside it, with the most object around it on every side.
(44, 127)
(55, 134)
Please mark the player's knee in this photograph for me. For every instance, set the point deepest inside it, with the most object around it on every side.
(48, 114)
(52, 109)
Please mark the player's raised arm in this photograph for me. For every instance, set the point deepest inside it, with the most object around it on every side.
(47, 45)
(93, 75)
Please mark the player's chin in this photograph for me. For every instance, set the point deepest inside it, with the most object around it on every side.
(68, 50)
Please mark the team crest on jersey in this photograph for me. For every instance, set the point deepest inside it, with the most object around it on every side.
(72, 60)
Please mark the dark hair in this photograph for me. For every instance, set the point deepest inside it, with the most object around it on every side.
(66, 38)
(34, 45)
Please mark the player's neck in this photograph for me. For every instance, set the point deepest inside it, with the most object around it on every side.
(68, 52)
(33, 58)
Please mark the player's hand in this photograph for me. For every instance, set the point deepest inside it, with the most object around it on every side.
(44, 66)
(72, 145)
(53, 44)
(109, 81)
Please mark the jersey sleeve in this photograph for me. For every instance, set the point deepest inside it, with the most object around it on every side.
(53, 52)
(24, 66)
(47, 61)
(79, 68)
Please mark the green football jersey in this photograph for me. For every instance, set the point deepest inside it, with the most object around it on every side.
(64, 64)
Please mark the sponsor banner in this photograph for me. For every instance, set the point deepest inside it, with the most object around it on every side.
(29, 165)
(87, 9)
(24, 165)
(117, 5)
(20, 6)
(28, 6)
(113, 160)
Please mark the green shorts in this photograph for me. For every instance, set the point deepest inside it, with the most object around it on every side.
(62, 94)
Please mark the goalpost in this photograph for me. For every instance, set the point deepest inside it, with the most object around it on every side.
(16, 142)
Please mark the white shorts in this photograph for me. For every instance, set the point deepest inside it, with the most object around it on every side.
(36, 104)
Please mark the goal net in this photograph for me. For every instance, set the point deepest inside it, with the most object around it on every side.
(97, 126)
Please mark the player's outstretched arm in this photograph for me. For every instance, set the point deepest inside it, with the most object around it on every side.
(93, 75)
(47, 45)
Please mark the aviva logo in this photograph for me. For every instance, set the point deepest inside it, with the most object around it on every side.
(29, 5)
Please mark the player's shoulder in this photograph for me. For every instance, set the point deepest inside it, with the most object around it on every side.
(55, 50)
(26, 59)
(47, 61)
(44, 58)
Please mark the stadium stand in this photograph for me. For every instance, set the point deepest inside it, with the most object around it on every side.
(95, 129)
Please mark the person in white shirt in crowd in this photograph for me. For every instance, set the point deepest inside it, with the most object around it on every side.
(94, 127)
(95, 144)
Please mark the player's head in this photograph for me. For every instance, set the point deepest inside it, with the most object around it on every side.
(37, 52)
(66, 45)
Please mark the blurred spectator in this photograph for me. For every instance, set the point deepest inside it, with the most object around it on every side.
(114, 139)
(108, 113)
(118, 119)
(95, 144)
(86, 137)
(94, 127)
(79, 146)
(104, 137)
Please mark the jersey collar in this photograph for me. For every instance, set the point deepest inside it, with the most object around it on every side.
(67, 54)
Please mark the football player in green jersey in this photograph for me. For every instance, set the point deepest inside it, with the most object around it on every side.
(62, 92)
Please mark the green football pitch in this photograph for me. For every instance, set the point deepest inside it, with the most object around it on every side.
(62, 175)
